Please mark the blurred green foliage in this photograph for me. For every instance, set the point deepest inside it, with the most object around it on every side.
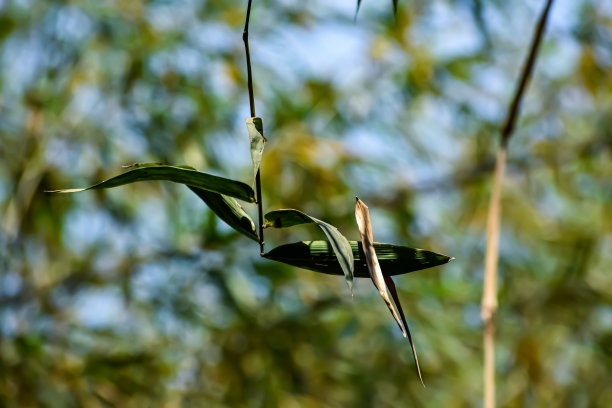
(140, 296)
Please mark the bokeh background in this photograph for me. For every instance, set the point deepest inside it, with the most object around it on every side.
(139, 296)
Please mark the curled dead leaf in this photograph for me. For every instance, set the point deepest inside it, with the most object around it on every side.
(362, 214)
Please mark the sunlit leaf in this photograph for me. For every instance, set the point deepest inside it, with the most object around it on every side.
(178, 174)
(229, 211)
(339, 244)
(257, 139)
(362, 214)
(319, 256)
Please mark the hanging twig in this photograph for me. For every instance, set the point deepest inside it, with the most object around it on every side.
(245, 38)
(513, 111)
(489, 297)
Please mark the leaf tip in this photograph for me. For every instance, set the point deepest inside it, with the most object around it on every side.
(67, 190)
(357, 9)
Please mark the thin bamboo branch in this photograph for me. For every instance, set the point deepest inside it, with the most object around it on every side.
(515, 106)
(489, 297)
(245, 38)
(489, 368)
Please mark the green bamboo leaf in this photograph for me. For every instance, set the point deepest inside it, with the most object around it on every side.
(357, 10)
(229, 211)
(340, 245)
(178, 174)
(394, 7)
(319, 256)
(257, 139)
(286, 218)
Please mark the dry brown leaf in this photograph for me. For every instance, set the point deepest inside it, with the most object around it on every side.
(391, 286)
(362, 214)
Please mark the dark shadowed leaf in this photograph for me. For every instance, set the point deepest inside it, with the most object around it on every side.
(339, 244)
(393, 291)
(229, 211)
(319, 256)
(257, 139)
(178, 174)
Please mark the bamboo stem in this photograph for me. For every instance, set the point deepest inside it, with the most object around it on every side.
(489, 297)
(245, 38)
(489, 368)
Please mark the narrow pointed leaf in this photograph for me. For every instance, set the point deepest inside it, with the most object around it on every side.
(257, 139)
(357, 10)
(393, 291)
(178, 174)
(286, 218)
(229, 211)
(318, 256)
(394, 7)
(362, 214)
(340, 245)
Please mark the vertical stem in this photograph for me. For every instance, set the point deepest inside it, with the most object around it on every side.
(489, 296)
(489, 368)
(245, 38)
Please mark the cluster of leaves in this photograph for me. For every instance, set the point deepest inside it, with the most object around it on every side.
(141, 296)
(328, 257)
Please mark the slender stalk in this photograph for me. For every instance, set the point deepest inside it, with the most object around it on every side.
(489, 368)
(515, 106)
(489, 297)
(245, 38)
